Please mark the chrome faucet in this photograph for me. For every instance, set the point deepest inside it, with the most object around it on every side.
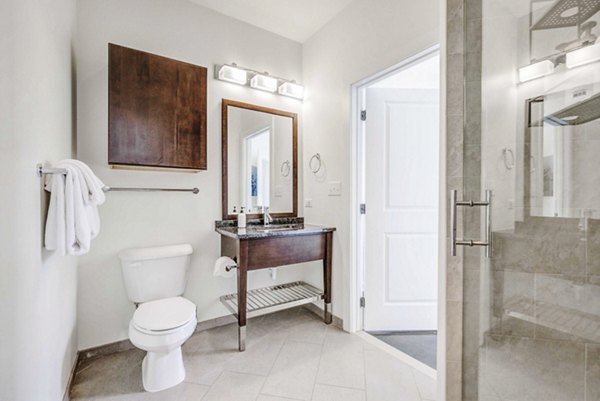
(267, 219)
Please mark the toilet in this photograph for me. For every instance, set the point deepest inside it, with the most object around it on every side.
(155, 279)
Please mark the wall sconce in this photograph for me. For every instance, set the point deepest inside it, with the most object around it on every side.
(575, 58)
(536, 70)
(264, 83)
(584, 55)
(233, 74)
(259, 80)
(291, 89)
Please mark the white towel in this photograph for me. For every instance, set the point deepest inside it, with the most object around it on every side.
(73, 219)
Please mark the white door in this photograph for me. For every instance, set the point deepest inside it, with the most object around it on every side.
(401, 221)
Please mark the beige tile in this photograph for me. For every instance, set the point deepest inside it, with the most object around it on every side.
(592, 372)
(205, 366)
(263, 397)
(259, 357)
(331, 393)
(312, 331)
(342, 363)
(426, 385)
(535, 369)
(454, 381)
(181, 392)
(295, 371)
(233, 386)
(389, 379)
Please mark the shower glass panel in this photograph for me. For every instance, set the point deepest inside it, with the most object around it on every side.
(531, 316)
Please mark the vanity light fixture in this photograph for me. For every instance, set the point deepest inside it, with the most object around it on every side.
(291, 89)
(259, 80)
(584, 55)
(536, 70)
(264, 82)
(233, 74)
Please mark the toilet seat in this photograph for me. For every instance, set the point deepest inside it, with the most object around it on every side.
(163, 316)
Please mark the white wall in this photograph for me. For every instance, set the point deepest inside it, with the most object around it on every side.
(184, 31)
(366, 37)
(38, 338)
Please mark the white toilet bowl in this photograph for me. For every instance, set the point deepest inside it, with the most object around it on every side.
(160, 327)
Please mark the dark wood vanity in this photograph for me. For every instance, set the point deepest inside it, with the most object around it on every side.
(260, 169)
(258, 247)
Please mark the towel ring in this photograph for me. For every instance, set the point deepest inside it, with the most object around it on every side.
(285, 168)
(316, 157)
(509, 161)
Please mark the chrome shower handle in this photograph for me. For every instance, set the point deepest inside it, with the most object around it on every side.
(487, 242)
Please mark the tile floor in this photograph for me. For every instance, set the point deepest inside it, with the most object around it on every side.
(290, 355)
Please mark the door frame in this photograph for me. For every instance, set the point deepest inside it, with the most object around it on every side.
(356, 279)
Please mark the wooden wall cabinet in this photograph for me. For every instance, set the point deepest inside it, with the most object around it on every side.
(156, 112)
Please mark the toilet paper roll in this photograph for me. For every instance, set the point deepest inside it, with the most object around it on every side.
(220, 266)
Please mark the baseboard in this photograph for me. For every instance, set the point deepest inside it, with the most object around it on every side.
(67, 393)
(317, 310)
(125, 345)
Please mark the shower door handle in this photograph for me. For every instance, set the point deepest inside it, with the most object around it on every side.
(454, 241)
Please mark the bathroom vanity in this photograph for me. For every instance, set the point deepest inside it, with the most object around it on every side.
(259, 173)
(284, 242)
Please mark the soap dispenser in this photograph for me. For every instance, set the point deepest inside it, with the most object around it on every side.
(241, 218)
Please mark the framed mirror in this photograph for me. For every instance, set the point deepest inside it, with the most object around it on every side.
(259, 160)
(563, 144)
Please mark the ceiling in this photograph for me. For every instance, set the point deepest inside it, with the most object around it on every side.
(293, 19)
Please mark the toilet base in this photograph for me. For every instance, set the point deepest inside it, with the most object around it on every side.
(161, 370)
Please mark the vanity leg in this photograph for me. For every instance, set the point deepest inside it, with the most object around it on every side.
(242, 337)
(327, 317)
(242, 284)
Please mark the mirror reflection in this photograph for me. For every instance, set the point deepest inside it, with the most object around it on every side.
(259, 161)
(564, 162)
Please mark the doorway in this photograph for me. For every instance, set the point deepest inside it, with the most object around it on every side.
(398, 194)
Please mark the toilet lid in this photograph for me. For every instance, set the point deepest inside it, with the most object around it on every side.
(164, 314)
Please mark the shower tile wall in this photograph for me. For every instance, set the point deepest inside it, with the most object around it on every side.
(454, 167)
(463, 154)
(545, 331)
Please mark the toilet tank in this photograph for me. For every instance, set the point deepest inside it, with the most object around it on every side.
(155, 273)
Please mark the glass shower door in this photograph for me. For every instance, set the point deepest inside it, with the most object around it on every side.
(531, 311)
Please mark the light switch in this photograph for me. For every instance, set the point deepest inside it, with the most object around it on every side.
(308, 202)
(335, 188)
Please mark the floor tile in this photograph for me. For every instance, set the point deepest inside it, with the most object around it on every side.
(182, 392)
(313, 331)
(295, 371)
(342, 364)
(426, 385)
(263, 397)
(259, 357)
(331, 393)
(232, 386)
(290, 356)
(389, 379)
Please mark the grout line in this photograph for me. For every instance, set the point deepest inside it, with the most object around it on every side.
(212, 385)
(283, 343)
(312, 395)
(338, 386)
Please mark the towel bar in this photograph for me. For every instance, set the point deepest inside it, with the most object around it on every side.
(41, 170)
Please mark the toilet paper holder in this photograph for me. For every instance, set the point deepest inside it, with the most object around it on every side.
(230, 268)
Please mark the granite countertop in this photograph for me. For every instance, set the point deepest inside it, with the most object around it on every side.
(280, 227)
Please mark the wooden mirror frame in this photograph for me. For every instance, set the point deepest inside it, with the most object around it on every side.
(224, 167)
